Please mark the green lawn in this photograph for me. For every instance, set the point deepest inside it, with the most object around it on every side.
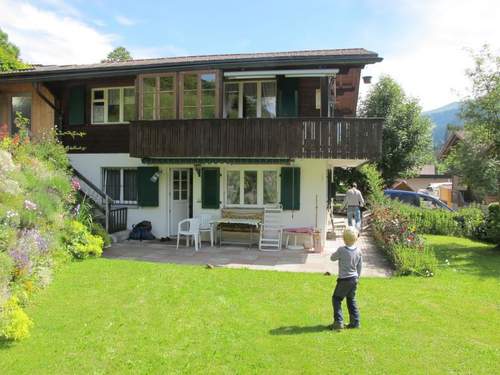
(112, 316)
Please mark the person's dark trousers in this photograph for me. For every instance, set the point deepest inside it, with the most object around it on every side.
(346, 288)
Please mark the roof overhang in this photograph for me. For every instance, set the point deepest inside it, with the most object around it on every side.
(83, 72)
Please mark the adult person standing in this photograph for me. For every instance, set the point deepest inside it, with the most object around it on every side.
(354, 201)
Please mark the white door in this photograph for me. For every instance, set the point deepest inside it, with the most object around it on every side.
(179, 197)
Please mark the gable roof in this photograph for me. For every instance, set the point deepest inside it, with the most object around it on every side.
(451, 141)
(358, 56)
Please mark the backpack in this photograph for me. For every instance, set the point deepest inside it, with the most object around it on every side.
(141, 231)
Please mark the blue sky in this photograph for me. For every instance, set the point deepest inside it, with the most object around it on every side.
(422, 41)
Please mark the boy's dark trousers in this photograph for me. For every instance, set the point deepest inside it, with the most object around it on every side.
(346, 288)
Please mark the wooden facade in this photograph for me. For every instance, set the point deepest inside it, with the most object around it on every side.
(42, 115)
(307, 134)
(319, 138)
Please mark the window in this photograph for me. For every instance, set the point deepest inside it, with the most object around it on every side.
(180, 182)
(20, 104)
(158, 97)
(250, 99)
(252, 187)
(113, 105)
(121, 184)
(270, 187)
(199, 95)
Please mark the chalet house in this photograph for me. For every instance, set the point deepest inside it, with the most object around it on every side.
(172, 138)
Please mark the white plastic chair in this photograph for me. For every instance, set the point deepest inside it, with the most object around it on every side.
(205, 226)
(271, 230)
(192, 231)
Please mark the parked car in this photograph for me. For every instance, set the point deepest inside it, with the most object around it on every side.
(416, 199)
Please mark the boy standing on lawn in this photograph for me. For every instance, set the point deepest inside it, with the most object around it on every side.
(350, 264)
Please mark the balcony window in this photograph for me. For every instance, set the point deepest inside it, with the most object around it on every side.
(252, 187)
(158, 97)
(199, 95)
(113, 105)
(250, 99)
(120, 184)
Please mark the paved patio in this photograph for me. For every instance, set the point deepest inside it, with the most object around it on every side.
(375, 263)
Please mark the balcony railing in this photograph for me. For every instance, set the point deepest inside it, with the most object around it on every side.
(319, 138)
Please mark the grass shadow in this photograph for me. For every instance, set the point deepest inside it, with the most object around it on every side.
(5, 344)
(297, 330)
(476, 258)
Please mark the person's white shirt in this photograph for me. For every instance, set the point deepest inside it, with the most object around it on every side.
(353, 197)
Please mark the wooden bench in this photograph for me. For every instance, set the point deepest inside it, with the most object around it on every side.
(240, 213)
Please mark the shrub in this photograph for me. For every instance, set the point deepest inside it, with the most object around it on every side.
(492, 227)
(398, 238)
(472, 222)
(80, 242)
(98, 230)
(374, 183)
(14, 323)
(410, 260)
(466, 222)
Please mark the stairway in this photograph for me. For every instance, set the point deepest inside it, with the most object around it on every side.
(112, 217)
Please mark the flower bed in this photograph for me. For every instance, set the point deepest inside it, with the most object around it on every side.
(38, 225)
(399, 240)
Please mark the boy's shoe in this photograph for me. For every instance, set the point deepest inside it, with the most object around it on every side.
(352, 326)
(336, 326)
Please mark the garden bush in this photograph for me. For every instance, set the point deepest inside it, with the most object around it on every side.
(98, 230)
(465, 222)
(410, 260)
(80, 242)
(492, 227)
(398, 238)
(39, 227)
(14, 322)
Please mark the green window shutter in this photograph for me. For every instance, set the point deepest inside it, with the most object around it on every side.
(147, 191)
(290, 188)
(210, 188)
(77, 105)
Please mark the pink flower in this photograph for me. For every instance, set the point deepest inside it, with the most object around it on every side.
(75, 184)
(29, 205)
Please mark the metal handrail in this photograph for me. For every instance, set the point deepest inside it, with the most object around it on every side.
(107, 199)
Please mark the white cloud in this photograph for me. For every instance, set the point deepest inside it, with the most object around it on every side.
(430, 63)
(54, 36)
(125, 21)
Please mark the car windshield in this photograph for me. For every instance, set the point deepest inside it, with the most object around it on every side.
(427, 202)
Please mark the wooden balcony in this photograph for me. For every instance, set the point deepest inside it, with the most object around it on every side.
(319, 138)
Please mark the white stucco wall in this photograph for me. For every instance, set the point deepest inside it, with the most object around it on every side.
(313, 192)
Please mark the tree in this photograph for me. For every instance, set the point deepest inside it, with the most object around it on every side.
(407, 135)
(9, 54)
(118, 54)
(476, 159)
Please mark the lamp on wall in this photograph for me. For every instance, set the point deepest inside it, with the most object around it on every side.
(367, 79)
(154, 178)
